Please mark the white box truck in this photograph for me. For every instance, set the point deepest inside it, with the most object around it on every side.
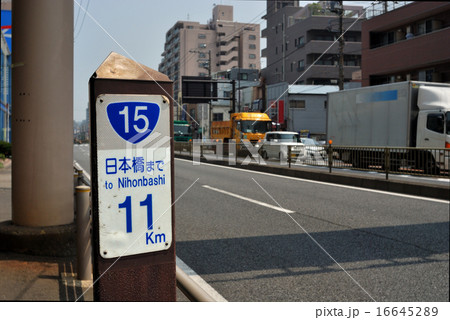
(411, 115)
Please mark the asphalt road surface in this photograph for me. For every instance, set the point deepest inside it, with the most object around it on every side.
(260, 237)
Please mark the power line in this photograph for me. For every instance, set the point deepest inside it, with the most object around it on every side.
(84, 16)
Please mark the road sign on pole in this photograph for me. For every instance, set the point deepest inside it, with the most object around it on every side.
(132, 175)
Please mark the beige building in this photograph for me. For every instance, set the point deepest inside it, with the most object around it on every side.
(194, 49)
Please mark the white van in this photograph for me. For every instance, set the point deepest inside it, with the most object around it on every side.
(275, 145)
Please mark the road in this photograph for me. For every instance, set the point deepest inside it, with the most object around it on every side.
(260, 237)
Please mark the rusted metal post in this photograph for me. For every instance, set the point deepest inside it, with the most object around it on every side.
(330, 157)
(289, 156)
(83, 220)
(387, 162)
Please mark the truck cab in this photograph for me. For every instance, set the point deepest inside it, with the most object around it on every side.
(433, 122)
(250, 126)
(243, 126)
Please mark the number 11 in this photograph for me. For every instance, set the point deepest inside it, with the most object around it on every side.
(127, 206)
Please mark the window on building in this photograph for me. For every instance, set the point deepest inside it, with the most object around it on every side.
(252, 56)
(426, 75)
(297, 104)
(251, 37)
(217, 116)
(425, 27)
(276, 50)
(352, 60)
(252, 46)
(202, 36)
(301, 65)
(202, 45)
(300, 41)
(252, 65)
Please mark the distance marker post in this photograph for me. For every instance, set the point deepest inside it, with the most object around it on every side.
(131, 116)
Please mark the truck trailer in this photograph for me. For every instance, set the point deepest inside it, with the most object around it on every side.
(411, 116)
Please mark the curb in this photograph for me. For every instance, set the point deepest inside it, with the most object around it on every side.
(54, 241)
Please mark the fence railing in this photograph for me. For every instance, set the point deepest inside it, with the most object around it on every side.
(388, 160)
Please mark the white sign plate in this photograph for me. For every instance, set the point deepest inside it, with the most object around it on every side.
(134, 174)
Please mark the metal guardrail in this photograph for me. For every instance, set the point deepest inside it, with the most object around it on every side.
(186, 285)
(389, 160)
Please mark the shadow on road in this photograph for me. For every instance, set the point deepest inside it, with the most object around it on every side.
(392, 245)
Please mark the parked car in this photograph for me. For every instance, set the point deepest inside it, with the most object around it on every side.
(275, 145)
(314, 150)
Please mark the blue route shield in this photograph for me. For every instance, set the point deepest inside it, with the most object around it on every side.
(133, 121)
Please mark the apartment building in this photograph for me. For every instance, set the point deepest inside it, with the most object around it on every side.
(195, 49)
(408, 43)
(301, 43)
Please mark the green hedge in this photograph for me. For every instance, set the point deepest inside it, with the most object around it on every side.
(5, 148)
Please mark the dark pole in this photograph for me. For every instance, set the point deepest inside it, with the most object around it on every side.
(341, 48)
(239, 73)
(210, 91)
(233, 110)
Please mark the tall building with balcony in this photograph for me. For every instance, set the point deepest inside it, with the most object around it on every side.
(301, 43)
(195, 49)
(408, 43)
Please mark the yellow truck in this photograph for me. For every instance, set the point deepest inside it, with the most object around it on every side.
(250, 126)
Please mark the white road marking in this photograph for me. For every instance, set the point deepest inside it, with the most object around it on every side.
(325, 183)
(250, 200)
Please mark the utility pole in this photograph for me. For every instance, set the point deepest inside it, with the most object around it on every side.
(341, 48)
(211, 88)
(337, 7)
(283, 48)
(210, 93)
(239, 73)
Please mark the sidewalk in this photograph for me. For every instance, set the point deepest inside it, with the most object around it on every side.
(29, 277)
(32, 277)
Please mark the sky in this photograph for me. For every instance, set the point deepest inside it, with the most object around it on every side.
(137, 29)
